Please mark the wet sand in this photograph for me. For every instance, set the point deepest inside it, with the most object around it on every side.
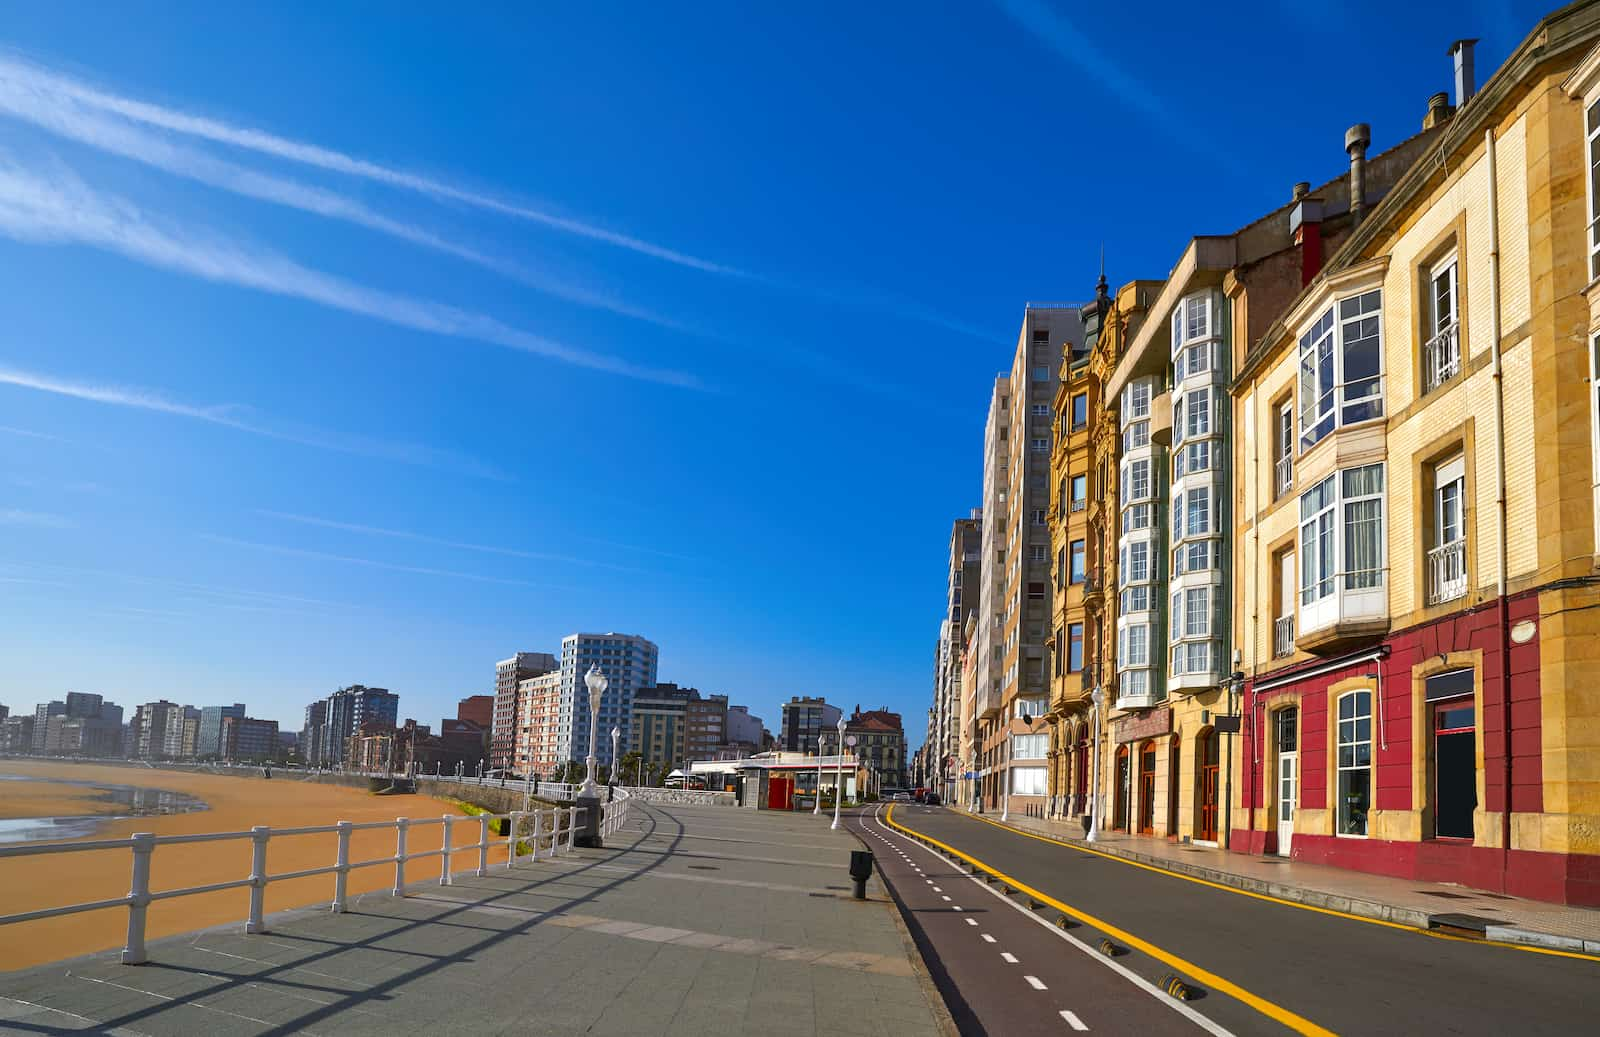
(52, 799)
(236, 804)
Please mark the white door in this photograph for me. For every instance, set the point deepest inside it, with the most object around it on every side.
(1288, 733)
(1286, 797)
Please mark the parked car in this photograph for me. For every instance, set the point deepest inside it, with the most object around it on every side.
(900, 797)
(931, 799)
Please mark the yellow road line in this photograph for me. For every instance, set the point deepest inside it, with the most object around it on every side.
(1270, 1009)
(1434, 934)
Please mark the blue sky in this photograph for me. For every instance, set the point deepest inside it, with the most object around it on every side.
(341, 349)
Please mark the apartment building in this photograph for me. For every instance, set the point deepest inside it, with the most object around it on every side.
(1016, 753)
(508, 707)
(982, 676)
(246, 739)
(707, 730)
(1419, 529)
(880, 745)
(537, 745)
(209, 741)
(943, 755)
(660, 723)
(804, 718)
(629, 663)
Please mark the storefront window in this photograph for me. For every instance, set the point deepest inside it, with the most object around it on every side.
(1355, 762)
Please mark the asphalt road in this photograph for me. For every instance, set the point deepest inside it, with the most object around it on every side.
(1002, 969)
(1290, 967)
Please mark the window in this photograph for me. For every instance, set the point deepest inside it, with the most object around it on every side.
(1136, 518)
(1317, 541)
(1196, 612)
(1136, 401)
(1197, 414)
(1076, 553)
(1041, 374)
(1040, 445)
(1354, 791)
(1029, 747)
(1135, 647)
(1080, 411)
(1036, 591)
(1453, 774)
(1191, 657)
(1594, 190)
(1197, 513)
(1136, 435)
(1039, 553)
(1196, 556)
(1136, 566)
(1074, 647)
(1041, 410)
(1136, 599)
(1136, 481)
(1193, 457)
(1038, 516)
(1030, 708)
(1447, 555)
(1283, 448)
(1341, 367)
(1080, 487)
(1363, 526)
(1027, 781)
(1353, 547)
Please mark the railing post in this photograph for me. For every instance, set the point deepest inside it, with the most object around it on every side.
(483, 845)
(144, 844)
(400, 824)
(444, 857)
(341, 878)
(572, 827)
(258, 878)
(538, 831)
(511, 839)
(555, 831)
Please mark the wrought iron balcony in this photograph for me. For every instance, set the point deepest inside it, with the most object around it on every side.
(1283, 475)
(1447, 572)
(1441, 357)
(1282, 637)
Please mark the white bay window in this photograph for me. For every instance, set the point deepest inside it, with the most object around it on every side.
(1341, 367)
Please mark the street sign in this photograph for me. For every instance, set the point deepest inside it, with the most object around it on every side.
(1226, 725)
(850, 740)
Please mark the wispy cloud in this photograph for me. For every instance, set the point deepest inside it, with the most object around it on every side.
(235, 416)
(1052, 28)
(18, 517)
(30, 434)
(32, 97)
(252, 595)
(323, 556)
(30, 77)
(61, 208)
(403, 534)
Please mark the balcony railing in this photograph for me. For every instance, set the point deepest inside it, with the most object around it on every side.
(1441, 358)
(1079, 504)
(1283, 475)
(1447, 572)
(1282, 637)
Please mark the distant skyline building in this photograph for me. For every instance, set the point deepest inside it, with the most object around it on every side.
(536, 748)
(660, 721)
(804, 718)
(209, 742)
(629, 663)
(41, 721)
(242, 738)
(707, 729)
(343, 714)
(508, 676)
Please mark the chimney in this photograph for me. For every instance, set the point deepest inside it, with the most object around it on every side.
(1301, 189)
(1356, 139)
(1439, 110)
(1466, 86)
(1305, 223)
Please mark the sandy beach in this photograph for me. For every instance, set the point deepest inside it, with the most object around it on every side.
(236, 804)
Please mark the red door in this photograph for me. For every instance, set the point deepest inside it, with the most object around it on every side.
(1147, 789)
(1206, 757)
(780, 793)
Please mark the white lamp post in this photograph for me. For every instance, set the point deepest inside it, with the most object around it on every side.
(838, 785)
(616, 733)
(597, 687)
(816, 808)
(1098, 698)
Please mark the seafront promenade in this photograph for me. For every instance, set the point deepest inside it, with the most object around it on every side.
(692, 920)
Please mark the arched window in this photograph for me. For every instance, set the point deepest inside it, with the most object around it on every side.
(1354, 793)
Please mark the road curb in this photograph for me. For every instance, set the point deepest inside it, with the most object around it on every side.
(1413, 917)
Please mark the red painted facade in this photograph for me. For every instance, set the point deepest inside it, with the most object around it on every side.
(1568, 878)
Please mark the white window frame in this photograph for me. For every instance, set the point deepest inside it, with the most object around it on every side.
(1197, 413)
(1023, 746)
(1196, 612)
(1592, 130)
(1348, 736)
(1446, 267)
(1326, 407)
(1041, 410)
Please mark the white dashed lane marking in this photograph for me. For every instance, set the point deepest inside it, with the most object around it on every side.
(1073, 1020)
(1011, 959)
(987, 938)
(972, 921)
(945, 898)
(1035, 983)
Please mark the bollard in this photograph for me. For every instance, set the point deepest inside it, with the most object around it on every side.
(860, 871)
(400, 824)
(444, 858)
(144, 844)
(538, 831)
(483, 845)
(258, 878)
(341, 878)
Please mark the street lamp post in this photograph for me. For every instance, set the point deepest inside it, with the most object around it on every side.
(611, 772)
(816, 808)
(588, 798)
(1098, 697)
(838, 785)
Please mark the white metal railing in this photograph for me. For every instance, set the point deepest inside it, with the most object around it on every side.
(1282, 636)
(552, 832)
(1283, 475)
(1447, 572)
(1078, 504)
(1441, 357)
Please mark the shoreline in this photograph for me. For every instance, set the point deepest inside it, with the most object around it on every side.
(236, 803)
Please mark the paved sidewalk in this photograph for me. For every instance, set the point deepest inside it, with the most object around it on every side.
(1409, 902)
(693, 921)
